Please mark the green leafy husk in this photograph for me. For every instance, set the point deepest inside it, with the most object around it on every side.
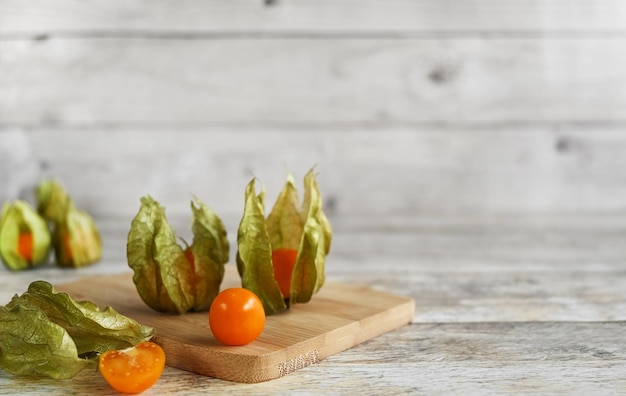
(45, 333)
(16, 218)
(210, 250)
(52, 200)
(305, 229)
(92, 329)
(165, 278)
(254, 255)
(315, 243)
(75, 237)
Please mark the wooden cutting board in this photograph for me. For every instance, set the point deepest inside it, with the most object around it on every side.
(337, 318)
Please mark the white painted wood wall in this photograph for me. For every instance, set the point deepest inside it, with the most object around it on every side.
(409, 109)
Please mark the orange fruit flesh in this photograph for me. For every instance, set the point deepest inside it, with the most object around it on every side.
(25, 246)
(283, 261)
(133, 370)
(67, 246)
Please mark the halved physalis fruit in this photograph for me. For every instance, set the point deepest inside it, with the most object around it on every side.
(281, 259)
(133, 370)
(24, 236)
(167, 277)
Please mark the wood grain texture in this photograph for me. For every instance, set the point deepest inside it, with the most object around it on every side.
(81, 81)
(512, 358)
(364, 173)
(314, 18)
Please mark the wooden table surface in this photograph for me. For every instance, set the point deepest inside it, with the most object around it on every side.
(515, 305)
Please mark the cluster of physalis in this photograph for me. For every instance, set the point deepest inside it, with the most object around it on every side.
(280, 257)
(27, 235)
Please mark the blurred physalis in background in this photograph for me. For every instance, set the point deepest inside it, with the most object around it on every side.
(75, 237)
(24, 236)
(27, 235)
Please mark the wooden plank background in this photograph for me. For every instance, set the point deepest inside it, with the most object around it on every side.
(407, 108)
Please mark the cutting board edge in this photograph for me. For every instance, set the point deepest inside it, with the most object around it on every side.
(273, 365)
